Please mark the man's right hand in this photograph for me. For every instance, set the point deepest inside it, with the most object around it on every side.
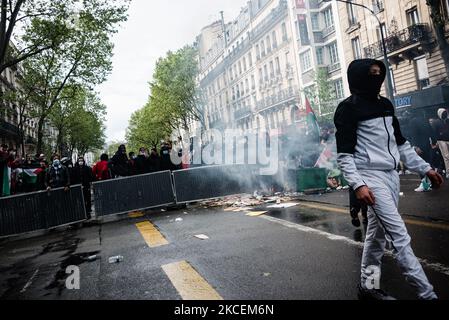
(365, 196)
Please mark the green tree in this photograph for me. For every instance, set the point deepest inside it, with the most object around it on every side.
(172, 103)
(146, 128)
(74, 103)
(83, 59)
(174, 97)
(322, 96)
(85, 132)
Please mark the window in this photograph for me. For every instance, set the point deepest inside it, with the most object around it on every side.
(393, 82)
(257, 52)
(303, 30)
(273, 37)
(260, 75)
(351, 14)
(268, 43)
(262, 48)
(339, 90)
(240, 67)
(250, 59)
(278, 65)
(247, 86)
(328, 18)
(253, 82)
(379, 34)
(284, 32)
(356, 48)
(333, 53)
(265, 70)
(422, 72)
(412, 16)
(315, 21)
(245, 67)
(378, 6)
(305, 61)
(320, 56)
(271, 69)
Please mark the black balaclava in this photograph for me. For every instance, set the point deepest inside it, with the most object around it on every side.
(361, 82)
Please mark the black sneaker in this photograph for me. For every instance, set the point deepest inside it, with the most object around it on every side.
(373, 294)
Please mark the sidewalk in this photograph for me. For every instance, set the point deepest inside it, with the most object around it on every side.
(429, 205)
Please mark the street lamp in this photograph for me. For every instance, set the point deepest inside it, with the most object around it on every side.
(384, 46)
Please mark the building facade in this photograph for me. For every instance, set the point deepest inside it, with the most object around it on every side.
(417, 70)
(320, 48)
(248, 74)
(18, 128)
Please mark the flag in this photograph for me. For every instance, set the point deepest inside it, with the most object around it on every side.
(6, 181)
(29, 176)
(313, 128)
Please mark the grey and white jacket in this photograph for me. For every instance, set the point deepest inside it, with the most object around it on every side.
(369, 138)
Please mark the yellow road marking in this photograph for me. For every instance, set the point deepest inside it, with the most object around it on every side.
(433, 225)
(189, 283)
(255, 213)
(151, 235)
(136, 215)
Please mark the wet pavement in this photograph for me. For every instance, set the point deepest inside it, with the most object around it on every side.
(307, 251)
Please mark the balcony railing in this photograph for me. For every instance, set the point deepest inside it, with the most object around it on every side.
(318, 37)
(328, 31)
(275, 99)
(418, 33)
(242, 113)
(262, 28)
(334, 67)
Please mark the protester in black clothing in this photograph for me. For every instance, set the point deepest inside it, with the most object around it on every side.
(132, 164)
(82, 174)
(58, 175)
(40, 183)
(166, 163)
(154, 161)
(119, 163)
(141, 162)
(421, 135)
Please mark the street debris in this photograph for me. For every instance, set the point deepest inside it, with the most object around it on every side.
(116, 259)
(256, 213)
(244, 202)
(401, 194)
(267, 274)
(283, 205)
(92, 258)
(178, 219)
(202, 237)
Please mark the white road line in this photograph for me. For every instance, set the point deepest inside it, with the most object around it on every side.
(437, 267)
(28, 284)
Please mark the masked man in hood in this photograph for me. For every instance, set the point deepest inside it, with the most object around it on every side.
(370, 146)
(58, 175)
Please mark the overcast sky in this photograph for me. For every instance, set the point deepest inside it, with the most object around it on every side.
(153, 28)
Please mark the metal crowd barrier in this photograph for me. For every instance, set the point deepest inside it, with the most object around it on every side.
(41, 210)
(212, 182)
(133, 193)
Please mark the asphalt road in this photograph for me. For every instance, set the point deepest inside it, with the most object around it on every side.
(432, 205)
(300, 253)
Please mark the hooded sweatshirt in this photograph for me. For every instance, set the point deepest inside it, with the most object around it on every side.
(368, 133)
